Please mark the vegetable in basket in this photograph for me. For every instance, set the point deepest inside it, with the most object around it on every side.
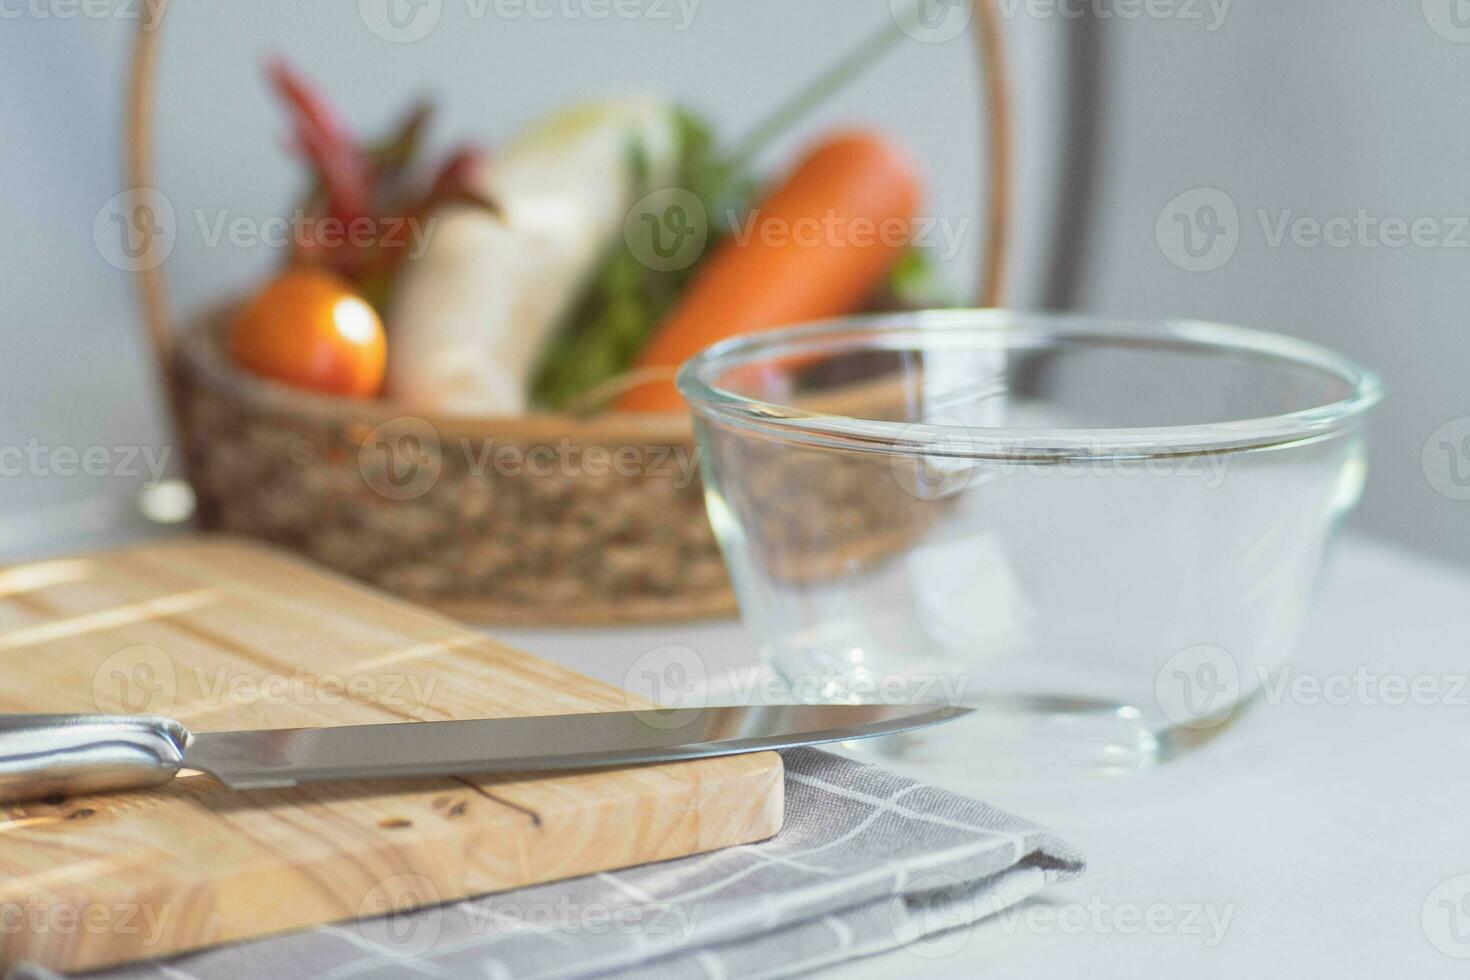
(531, 287)
(473, 313)
(314, 326)
(309, 329)
(818, 246)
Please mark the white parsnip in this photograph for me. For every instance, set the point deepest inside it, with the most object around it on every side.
(474, 311)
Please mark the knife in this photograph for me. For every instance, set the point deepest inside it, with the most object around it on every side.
(42, 756)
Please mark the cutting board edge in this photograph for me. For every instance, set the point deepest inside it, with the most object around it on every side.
(767, 815)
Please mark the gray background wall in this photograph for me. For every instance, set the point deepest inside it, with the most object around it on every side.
(1323, 108)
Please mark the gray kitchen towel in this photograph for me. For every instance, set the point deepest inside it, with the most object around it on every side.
(867, 861)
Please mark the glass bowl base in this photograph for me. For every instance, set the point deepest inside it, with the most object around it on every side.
(1022, 737)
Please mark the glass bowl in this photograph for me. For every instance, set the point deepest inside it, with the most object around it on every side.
(1101, 533)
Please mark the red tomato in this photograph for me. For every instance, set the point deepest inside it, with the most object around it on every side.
(309, 329)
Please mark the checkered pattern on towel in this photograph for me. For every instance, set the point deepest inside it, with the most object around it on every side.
(867, 861)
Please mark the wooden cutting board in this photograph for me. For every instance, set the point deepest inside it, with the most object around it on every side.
(223, 634)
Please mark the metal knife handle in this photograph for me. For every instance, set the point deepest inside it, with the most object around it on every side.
(67, 755)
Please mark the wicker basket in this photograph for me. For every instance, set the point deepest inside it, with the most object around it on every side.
(534, 520)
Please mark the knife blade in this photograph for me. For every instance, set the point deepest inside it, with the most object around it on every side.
(48, 755)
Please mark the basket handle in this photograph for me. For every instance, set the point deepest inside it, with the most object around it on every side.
(999, 153)
(138, 172)
(138, 131)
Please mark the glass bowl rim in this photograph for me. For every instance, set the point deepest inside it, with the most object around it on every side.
(948, 439)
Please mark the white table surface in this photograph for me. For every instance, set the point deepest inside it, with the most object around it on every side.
(1313, 833)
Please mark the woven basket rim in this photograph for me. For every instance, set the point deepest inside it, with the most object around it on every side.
(201, 356)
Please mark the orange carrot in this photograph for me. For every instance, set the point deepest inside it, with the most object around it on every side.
(818, 246)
